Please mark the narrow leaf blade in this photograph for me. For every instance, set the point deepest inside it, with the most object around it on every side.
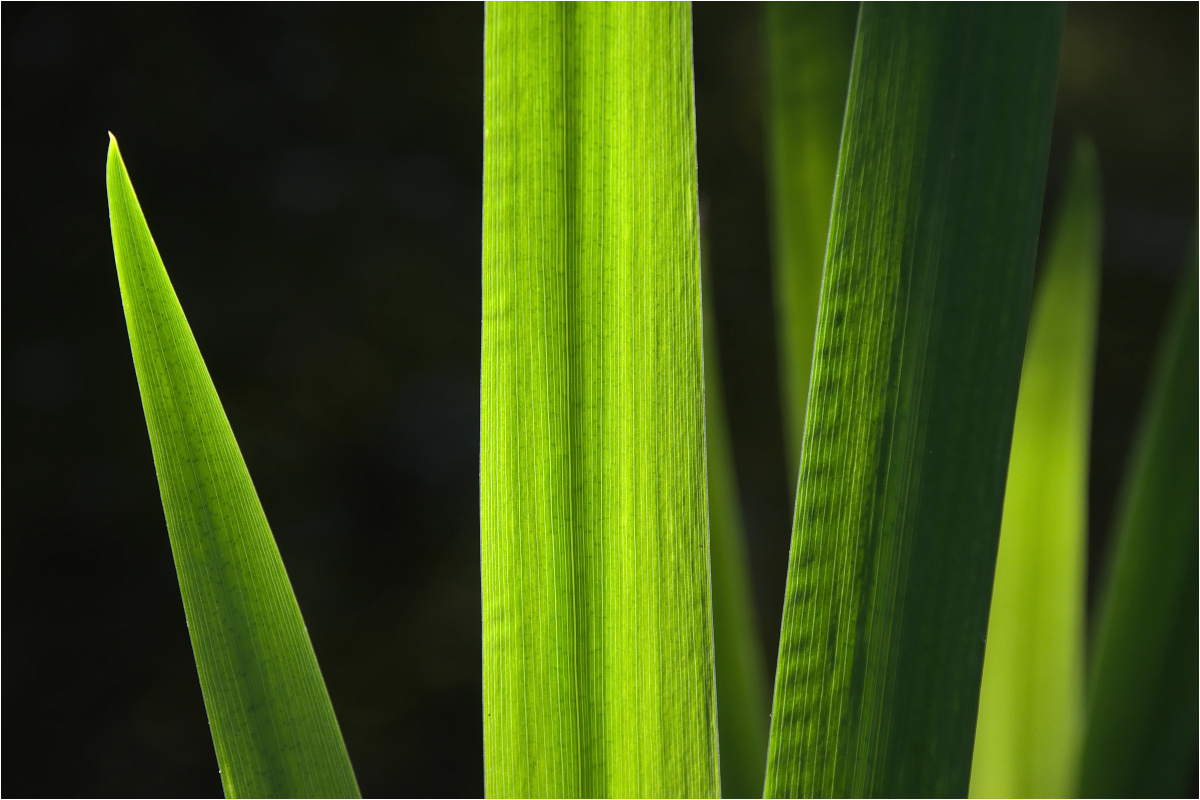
(810, 45)
(923, 309)
(1142, 699)
(597, 624)
(741, 676)
(1031, 699)
(272, 723)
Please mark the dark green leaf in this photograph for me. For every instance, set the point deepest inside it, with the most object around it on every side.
(924, 304)
(1142, 699)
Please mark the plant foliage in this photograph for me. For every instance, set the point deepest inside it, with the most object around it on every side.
(597, 623)
(809, 46)
(1142, 699)
(272, 723)
(1031, 700)
(914, 385)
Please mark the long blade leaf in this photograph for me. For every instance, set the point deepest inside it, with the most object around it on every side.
(810, 45)
(1031, 699)
(920, 330)
(1142, 698)
(741, 676)
(598, 665)
(271, 720)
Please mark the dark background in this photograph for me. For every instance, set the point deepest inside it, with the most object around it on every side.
(312, 175)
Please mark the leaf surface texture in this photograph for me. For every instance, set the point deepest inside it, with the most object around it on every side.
(920, 328)
(597, 621)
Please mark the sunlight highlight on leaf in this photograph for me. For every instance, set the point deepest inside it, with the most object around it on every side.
(1031, 699)
(597, 624)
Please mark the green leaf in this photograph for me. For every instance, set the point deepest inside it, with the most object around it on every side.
(741, 676)
(597, 632)
(917, 359)
(1031, 701)
(1141, 732)
(272, 723)
(810, 45)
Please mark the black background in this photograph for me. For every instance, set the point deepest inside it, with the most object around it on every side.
(312, 175)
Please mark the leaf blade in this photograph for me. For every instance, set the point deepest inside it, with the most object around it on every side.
(272, 723)
(1031, 697)
(810, 46)
(1140, 737)
(738, 652)
(923, 306)
(598, 676)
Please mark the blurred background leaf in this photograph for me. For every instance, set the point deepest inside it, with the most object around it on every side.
(743, 701)
(1031, 700)
(808, 49)
(266, 139)
(1142, 699)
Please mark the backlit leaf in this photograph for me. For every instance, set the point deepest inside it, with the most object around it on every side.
(597, 624)
(272, 723)
(1031, 700)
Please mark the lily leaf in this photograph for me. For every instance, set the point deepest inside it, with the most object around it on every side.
(597, 623)
(272, 723)
(920, 330)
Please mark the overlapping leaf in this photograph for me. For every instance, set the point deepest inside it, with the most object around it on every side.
(920, 330)
(810, 45)
(1031, 700)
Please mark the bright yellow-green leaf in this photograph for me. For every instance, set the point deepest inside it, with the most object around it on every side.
(924, 304)
(1031, 701)
(1142, 699)
(597, 623)
(810, 45)
(272, 723)
(741, 677)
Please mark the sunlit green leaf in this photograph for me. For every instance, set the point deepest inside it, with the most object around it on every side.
(810, 45)
(1031, 700)
(272, 723)
(1142, 699)
(597, 632)
(924, 304)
